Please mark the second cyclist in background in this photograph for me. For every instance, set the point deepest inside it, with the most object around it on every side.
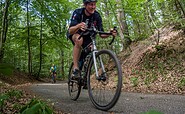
(53, 72)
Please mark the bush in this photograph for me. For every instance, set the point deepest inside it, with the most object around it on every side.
(36, 107)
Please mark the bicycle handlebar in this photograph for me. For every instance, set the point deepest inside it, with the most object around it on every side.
(113, 36)
(93, 29)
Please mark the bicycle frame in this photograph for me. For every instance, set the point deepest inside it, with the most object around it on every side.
(94, 51)
(93, 32)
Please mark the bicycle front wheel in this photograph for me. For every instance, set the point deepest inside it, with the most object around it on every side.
(74, 86)
(104, 90)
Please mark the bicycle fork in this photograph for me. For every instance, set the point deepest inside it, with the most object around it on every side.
(95, 64)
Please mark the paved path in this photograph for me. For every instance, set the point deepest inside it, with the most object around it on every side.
(129, 103)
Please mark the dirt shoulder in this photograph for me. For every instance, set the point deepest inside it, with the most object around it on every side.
(152, 68)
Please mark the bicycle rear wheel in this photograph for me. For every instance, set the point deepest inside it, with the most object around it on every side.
(105, 90)
(74, 86)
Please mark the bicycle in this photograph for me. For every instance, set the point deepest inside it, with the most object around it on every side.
(100, 71)
(53, 77)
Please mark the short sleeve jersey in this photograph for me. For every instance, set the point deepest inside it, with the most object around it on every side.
(79, 16)
(53, 68)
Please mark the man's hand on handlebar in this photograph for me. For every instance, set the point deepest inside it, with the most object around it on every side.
(114, 32)
(82, 26)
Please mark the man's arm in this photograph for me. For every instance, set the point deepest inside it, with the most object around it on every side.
(74, 29)
(76, 23)
(114, 33)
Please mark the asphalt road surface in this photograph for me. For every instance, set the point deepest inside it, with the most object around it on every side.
(129, 103)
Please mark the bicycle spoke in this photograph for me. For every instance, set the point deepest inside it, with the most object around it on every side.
(73, 86)
(105, 89)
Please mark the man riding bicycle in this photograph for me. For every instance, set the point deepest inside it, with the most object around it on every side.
(78, 25)
(53, 72)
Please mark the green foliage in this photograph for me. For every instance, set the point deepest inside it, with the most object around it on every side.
(159, 47)
(49, 21)
(36, 107)
(181, 83)
(14, 93)
(8, 95)
(33, 107)
(150, 78)
(134, 81)
(3, 97)
(6, 69)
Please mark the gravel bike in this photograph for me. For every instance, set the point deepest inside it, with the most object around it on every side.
(53, 77)
(100, 72)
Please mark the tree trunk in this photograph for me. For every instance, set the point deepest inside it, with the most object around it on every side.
(152, 21)
(120, 16)
(179, 8)
(62, 64)
(123, 26)
(28, 40)
(4, 29)
(40, 45)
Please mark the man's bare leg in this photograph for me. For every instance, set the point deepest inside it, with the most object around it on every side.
(76, 50)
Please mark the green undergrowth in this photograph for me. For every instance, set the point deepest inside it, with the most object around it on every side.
(14, 101)
(36, 107)
(6, 69)
(152, 112)
(162, 63)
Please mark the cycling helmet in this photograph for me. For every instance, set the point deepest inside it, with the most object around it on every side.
(87, 1)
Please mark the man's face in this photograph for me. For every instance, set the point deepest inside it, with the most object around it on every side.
(91, 7)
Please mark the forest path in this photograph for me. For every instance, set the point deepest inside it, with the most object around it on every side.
(129, 103)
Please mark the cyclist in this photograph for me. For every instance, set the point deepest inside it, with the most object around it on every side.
(53, 72)
(78, 25)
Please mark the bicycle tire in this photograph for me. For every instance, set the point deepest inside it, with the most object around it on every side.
(53, 79)
(74, 87)
(104, 93)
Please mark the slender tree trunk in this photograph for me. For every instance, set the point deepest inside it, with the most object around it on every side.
(123, 26)
(28, 39)
(4, 29)
(152, 21)
(62, 71)
(116, 14)
(179, 8)
(40, 66)
(1, 21)
(108, 25)
(138, 27)
(62, 64)
(120, 16)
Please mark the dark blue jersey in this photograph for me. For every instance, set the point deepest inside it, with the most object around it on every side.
(79, 16)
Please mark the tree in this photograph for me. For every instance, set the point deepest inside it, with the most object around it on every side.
(4, 29)
(33, 32)
(28, 39)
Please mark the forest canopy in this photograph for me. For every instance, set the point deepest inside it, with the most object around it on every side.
(33, 32)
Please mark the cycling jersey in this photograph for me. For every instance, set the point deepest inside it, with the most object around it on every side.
(53, 69)
(79, 16)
